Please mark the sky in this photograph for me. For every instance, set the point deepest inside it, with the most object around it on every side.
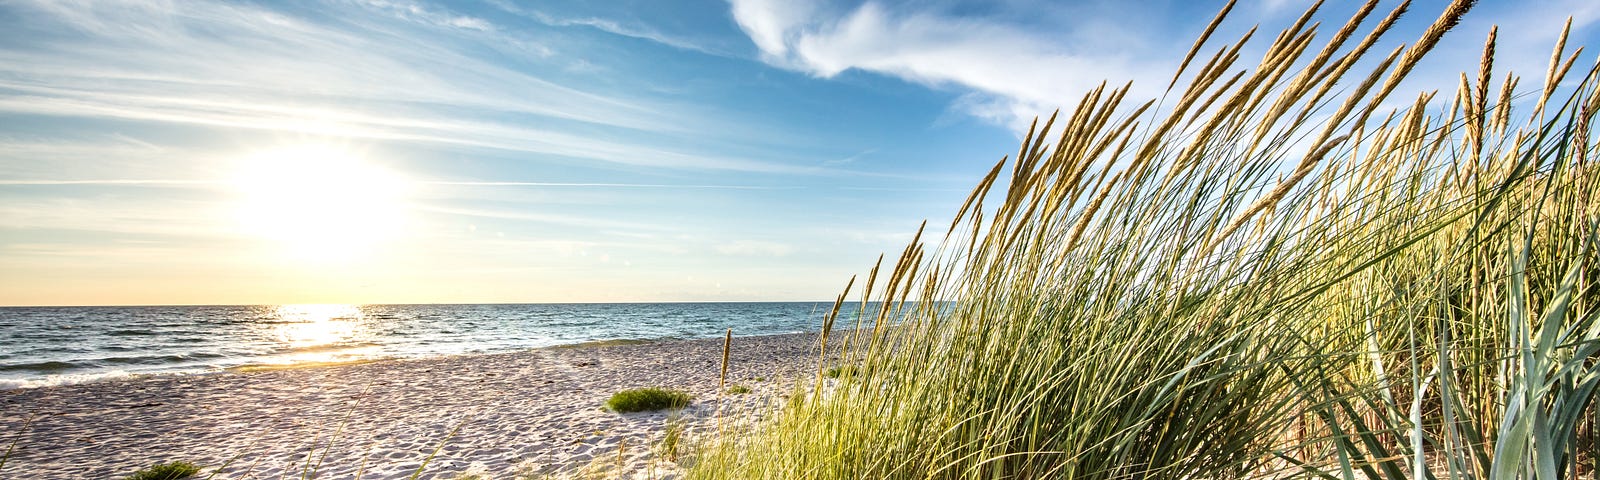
(477, 151)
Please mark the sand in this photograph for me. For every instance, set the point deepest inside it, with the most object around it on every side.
(534, 414)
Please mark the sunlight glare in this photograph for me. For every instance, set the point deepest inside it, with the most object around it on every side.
(302, 326)
(320, 202)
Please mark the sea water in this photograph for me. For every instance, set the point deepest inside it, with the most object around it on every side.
(41, 346)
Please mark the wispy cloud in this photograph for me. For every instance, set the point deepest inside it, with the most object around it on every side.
(121, 215)
(426, 14)
(406, 122)
(850, 159)
(129, 47)
(412, 77)
(614, 27)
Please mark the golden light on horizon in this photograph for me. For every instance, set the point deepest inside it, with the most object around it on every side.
(320, 202)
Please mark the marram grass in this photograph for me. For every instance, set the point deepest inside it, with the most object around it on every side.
(1286, 270)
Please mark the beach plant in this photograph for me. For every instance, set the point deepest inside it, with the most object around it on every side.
(671, 445)
(166, 471)
(647, 399)
(738, 389)
(1284, 270)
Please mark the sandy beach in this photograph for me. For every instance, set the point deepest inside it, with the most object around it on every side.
(533, 414)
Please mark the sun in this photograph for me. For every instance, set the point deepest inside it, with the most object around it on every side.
(319, 201)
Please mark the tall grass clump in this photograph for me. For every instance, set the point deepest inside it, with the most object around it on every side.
(166, 471)
(647, 399)
(1284, 270)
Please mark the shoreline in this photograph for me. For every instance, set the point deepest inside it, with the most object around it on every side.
(534, 411)
(114, 375)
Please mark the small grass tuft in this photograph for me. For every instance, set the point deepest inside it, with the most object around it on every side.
(737, 389)
(166, 471)
(671, 445)
(647, 399)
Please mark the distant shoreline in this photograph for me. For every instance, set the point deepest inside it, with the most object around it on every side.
(75, 345)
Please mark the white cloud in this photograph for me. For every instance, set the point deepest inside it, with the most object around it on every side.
(772, 25)
(1012, 73)
(1008, 71)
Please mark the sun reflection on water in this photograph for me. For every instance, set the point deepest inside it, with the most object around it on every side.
(307, 326)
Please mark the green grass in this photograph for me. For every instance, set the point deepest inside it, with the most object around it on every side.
(166, 471)
(737, 389)
(1286, 270)
(647, 399)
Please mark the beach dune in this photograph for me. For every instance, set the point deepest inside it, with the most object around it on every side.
(510, 415)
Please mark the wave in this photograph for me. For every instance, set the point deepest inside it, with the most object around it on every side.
(52, 366)
(132, 333)
(145, 359)
(63, 379)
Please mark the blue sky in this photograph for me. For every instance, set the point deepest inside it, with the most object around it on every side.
(400, 151)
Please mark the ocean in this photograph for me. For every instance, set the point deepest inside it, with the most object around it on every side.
(42, 346)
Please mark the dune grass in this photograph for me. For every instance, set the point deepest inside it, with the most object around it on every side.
(647, 399)
(1278, 271)
(673, 443)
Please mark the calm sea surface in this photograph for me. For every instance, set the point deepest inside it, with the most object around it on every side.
(54, 345)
